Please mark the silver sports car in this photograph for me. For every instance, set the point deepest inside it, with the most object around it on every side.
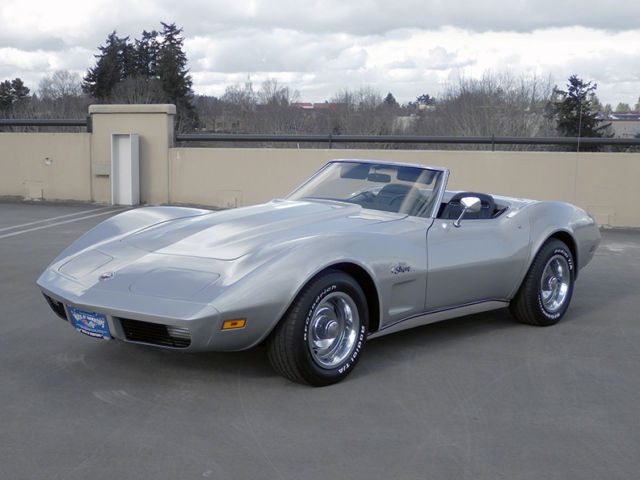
(361, 249)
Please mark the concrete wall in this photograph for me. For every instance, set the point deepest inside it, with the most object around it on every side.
(605, 184)
(76, 166)
(45, 165)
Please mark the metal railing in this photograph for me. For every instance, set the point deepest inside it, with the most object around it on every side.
(47, 122)
(407, 139)
(330, 139)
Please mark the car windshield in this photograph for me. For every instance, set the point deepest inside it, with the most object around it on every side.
(386, 187)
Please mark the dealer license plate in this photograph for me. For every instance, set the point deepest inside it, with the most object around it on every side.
(92, 324)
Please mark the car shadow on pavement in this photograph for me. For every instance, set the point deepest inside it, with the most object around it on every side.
(496, 330)
(150, 362)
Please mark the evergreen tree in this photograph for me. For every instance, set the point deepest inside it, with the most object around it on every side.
(152, 69)
(146, 54)
(12, 92)
(6, 96)
(390, 101)
(115, 61)
(596, 105)
(19, 90)
(574, 112)
(172, 65)
(174, 76)
(623, 108)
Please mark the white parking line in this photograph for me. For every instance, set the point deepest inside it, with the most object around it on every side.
(13, 227)
(6, 235)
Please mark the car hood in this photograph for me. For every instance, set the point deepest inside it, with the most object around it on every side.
(231, 234)
(188, 258)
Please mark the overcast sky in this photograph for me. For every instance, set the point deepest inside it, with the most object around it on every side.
(406, 47)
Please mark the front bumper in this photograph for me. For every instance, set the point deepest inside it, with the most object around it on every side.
(199, 332)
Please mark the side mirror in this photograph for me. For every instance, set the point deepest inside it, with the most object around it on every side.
(469, 205)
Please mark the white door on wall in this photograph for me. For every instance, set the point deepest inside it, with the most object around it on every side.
(125, 169)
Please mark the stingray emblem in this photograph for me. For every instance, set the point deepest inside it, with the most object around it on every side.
(106, 276)
(401, 268)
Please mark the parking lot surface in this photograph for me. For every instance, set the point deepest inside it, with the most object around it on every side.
(480, 397)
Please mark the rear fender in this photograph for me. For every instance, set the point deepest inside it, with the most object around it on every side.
(559, 220)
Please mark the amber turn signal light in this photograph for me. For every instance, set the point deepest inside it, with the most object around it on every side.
(231, 324)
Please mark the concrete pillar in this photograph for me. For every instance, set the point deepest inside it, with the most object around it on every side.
(154, 126)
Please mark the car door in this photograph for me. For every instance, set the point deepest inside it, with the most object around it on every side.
(480, 260)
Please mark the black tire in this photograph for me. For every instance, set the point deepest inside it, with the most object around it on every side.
(315, 313)
(550, 277)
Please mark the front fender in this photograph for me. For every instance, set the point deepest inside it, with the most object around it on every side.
(268, 287)
(265, 284)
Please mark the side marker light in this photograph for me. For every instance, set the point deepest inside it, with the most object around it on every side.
(231, 324)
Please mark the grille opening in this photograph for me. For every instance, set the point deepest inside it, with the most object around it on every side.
(56, 306)
(155, 333)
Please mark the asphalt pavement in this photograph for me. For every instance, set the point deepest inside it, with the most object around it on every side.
(479, 397)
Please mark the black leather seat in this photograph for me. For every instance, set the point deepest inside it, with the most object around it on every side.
(453, 209)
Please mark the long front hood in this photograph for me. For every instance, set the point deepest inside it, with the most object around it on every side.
(189, 257)
(231, 234)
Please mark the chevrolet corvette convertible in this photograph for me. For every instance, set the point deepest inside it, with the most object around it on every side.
(360, 250)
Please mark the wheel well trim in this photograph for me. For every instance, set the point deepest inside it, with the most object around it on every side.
(368, 285)
(565, 237)
(361, 275)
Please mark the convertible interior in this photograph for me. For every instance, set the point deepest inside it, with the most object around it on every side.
(404, 189)
(396, 197)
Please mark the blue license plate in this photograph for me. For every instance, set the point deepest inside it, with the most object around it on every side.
(89, 323)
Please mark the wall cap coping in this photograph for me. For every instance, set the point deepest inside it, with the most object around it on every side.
(166, 108)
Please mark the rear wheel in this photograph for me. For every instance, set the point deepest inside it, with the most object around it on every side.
(546, 291)
(320, 338)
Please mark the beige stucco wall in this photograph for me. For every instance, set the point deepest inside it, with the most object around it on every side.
(154, 125)
(52, 166)
(76, 166)
(605, 184)
(230, 177)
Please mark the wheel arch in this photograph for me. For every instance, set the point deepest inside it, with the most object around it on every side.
(554, 220)
(562, 235)
(566, 238)
(364, 279)
(526, 306)
(296, 361)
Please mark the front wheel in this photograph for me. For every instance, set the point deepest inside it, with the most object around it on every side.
(320, 338)
(546, 291)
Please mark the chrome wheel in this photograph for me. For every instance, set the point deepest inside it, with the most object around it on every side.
(333, 330)
(544, 295)
(555, 283)
(321, 336)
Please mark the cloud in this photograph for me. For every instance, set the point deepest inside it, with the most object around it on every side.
(409, 62)
(252, 50)
(371, 17)
(318, 47)
(82, 23)
(25, 60)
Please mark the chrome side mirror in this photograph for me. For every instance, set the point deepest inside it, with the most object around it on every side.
(469, 205)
